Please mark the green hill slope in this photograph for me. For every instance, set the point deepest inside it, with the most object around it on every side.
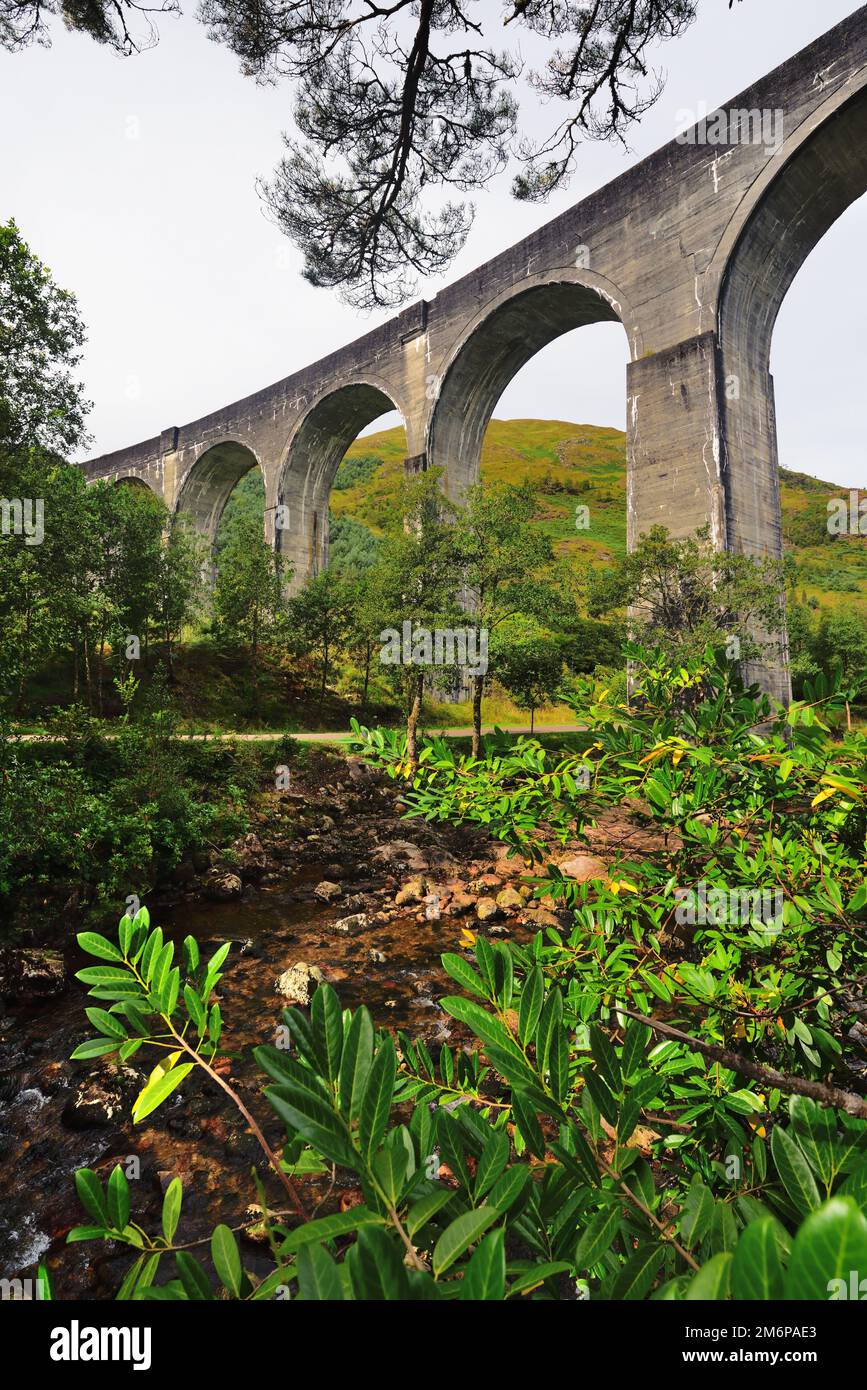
(573, 465)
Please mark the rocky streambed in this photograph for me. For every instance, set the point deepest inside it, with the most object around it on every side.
(333, 884)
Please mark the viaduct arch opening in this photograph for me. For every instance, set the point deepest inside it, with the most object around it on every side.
(499, 344)
(209, 483)
(138, 484)
(822, 176)
(313, 455)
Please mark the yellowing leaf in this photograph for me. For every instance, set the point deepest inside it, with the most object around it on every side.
(823, 796)
(656, 752)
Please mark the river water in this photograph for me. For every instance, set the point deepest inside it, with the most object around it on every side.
(196, 1134)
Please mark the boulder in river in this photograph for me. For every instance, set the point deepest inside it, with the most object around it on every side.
(328, 892)
(510, 900)
(221, 886)
(413, 891)
(251, 858)
(487, 909)
(351, 926)
(30, 973)
(299, 982)
(583, 867)
(102, 1099)
(460, 903)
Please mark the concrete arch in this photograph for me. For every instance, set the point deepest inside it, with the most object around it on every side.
(311, 459)
(205, 487)
(819, 172)
(134, 480)
(496, 344)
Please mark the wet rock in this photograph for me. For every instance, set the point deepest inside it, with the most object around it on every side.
(542, 917)
(31, 974)
(351, 926)
(414, 891)
(510, 900)
(444, 867)
(394, 851)
(328, 892)
(583, 867)
(101, 1100)
(250, 855)
(378, 957)
(299, 982)
(484, 881)
(360, 775)
(460, 903)
(487, 909)
(221, 886)
(433, 907)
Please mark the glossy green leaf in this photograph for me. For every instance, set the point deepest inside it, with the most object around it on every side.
(326, 1020)
(96, 945)
(713, 1281)
(829, 1249)
(227, 1259)
(318, 1276)
(757, 1267)
(118, 1198)
(794, 1170)
(485, 1276)
(91, 1195)
(457, 1238)
(377, 1100)
(193, 1277)
(597, 1237)
(172, 1208)
(157, 1091)
(634, 1281)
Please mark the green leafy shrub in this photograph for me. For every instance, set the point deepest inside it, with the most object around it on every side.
(514, 1173)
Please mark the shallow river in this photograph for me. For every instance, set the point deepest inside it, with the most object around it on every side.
(196, 1134)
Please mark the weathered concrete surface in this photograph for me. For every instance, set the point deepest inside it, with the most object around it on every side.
(693, 250)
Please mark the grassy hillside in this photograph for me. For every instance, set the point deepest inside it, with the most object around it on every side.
(569, 464)
(573, 465)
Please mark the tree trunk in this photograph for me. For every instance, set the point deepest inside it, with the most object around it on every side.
(99, 678)
(170, 654)
(478, 687)
(532, 719)
(412, 721)
(254, 667)
(324, 684)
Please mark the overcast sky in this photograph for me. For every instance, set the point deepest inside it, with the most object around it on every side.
(134, 181)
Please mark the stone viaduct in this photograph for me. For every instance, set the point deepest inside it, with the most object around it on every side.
(692, 250)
